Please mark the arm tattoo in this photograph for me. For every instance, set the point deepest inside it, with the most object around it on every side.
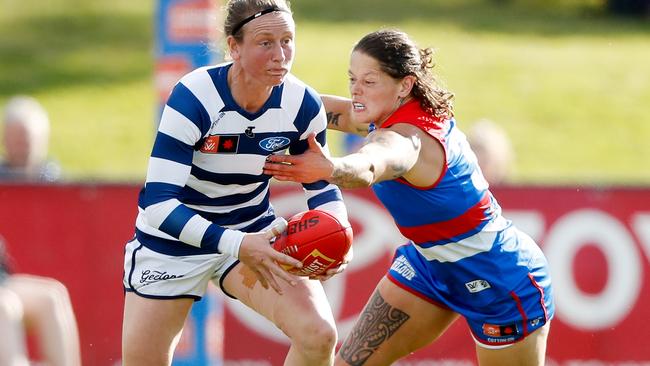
(333, 118)
(378, 322)
(398, 169)
(347, 175)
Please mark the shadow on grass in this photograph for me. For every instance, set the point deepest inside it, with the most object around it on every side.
(497, 16)
(50, 51)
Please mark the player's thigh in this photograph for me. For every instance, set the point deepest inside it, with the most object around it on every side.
(531, 351)
(306, 298)
(151, 327)
(393, 324)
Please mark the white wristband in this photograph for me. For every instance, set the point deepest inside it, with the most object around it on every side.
(230, 242)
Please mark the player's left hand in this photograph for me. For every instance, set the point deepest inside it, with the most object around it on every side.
(311, 166)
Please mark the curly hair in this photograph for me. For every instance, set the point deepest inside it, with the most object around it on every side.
(399, 56)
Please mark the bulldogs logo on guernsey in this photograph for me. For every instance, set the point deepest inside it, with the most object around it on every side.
(402, 266)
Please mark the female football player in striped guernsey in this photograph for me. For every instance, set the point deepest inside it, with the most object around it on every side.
(204, 209)
(463, 258)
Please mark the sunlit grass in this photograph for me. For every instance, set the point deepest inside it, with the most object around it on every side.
(570, 85)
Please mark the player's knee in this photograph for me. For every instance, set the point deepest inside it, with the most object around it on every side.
(44, 290)
(316, 336)
(137, 351)
(56, 290)
(53, 295)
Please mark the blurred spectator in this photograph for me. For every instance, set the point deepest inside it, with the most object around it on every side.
(26, 137)
(40, 306)
(493, 149)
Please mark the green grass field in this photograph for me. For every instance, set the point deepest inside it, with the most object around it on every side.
(569, 84)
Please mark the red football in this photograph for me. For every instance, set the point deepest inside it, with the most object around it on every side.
(317, 239)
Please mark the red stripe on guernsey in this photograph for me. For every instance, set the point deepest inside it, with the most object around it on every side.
(442, 230)
(541, 292)
(521, 311)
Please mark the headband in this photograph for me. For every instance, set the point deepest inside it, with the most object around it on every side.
(239, 25)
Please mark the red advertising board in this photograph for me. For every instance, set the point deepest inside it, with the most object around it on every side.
(75, 234)
(598, 245)
(597, 241)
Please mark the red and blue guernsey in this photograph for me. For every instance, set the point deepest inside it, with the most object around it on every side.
(463, 254)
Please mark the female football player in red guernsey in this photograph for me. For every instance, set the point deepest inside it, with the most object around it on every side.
(463, 258)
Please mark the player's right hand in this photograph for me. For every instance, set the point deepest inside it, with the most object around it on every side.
(257, 253)
(310, 166)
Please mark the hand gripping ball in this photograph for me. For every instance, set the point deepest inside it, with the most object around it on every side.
(317, 239)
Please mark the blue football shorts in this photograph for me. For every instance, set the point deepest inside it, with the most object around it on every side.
(503, 293)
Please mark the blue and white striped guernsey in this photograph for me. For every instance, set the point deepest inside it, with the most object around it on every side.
(204, 181)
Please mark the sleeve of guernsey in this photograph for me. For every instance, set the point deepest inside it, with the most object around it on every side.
(320, 195)
(183, 123)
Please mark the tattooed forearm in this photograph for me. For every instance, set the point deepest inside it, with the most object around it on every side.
(383, 156)
(352, 172)
(378, 322)
(397, 166)
(333, 118)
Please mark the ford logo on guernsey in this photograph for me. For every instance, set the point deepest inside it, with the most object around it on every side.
(274, 143)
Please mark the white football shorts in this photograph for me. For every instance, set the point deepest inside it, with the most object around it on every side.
(161, 276)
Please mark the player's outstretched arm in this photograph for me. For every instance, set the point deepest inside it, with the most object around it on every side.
(386, 154)
(340, 117)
